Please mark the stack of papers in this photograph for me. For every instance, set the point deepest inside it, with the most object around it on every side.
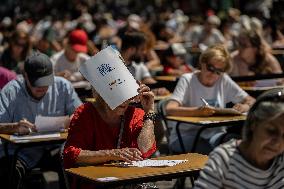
(34, 136)
(152, 163)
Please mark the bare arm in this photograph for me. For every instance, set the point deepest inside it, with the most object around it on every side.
(174, 108)
(21, 127)
(274, 64)
(245, 105)
(102, 156)
(146, 138)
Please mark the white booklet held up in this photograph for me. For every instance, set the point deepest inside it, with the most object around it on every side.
(109, 76)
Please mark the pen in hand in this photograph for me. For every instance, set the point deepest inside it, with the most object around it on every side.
(204, 101)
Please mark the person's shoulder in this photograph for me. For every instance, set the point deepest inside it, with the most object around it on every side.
(61, 81)
(83, 112)
(13, 88)
(62, 84)
(188, 76)
(83, 56)
(57, 55)
(226, 149)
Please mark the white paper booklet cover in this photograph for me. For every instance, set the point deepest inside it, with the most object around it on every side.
(109, 76)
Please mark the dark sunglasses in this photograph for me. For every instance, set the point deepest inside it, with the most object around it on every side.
(212, 69)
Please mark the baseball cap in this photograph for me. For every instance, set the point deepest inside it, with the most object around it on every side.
(78, 40)
(38, 68)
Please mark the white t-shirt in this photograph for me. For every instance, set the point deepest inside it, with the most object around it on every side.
(139, 71)
(201, 36)
(189, 90)
(61, 63)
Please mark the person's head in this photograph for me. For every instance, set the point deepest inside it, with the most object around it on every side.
(213, 63)
(77, 43)
(118, 111)
(264, 125)
(212, 22)
(251, 49)
(38, 74)
(134, 45)
(19, 45)
(174, 55)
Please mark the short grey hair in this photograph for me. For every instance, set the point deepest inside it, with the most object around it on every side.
(267, 107)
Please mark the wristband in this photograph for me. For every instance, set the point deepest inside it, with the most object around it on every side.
(151, 116)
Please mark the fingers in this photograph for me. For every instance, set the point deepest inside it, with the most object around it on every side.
(28, 125)
(241, 107)
(128, 154)
(207, 110)
(143, 88)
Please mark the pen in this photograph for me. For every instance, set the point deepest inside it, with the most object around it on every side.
(204, 101)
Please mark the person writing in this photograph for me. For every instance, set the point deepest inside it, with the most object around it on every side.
(255, 161)
(211, 83)
(38, 92)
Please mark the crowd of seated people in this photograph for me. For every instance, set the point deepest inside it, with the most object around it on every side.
(166, 43)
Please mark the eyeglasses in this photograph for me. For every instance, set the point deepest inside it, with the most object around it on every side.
(214, 70)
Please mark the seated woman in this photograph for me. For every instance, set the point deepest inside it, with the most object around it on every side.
(98, 134)
(215, 86)
(256, 161)
(252, 58)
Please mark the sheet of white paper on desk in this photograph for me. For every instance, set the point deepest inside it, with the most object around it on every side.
(109, 76)
(106, 179)
(39, 136)
(154, 163)
(266, 83)
(50, 124)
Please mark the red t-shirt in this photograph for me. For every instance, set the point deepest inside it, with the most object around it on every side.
(168, 68)
(88, 131)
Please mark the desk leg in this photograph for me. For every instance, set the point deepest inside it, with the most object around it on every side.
(5, 144)
(179, 137)
(193, 148)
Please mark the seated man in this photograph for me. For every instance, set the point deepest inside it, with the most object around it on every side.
(67, 61)
(132, 50)
(21, 100)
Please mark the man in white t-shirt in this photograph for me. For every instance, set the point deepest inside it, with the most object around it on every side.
(67, 61)
(132, 50)
(212, 84)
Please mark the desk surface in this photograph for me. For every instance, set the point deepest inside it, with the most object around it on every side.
(63, 136)
(159, 97)
(207, 120)
(252, 88)
(166, 78)
(141, 174)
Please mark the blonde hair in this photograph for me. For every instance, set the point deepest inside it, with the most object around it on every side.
(219, 53)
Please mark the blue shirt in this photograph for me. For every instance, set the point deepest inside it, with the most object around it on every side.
(16, 104)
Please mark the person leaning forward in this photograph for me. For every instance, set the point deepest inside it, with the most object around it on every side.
(98, 134)
(38, 92)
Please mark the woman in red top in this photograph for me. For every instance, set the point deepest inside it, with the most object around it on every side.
(98, 134)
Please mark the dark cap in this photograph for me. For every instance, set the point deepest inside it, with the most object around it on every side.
(38, 68)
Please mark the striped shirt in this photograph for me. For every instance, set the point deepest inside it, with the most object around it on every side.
(226, 168)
